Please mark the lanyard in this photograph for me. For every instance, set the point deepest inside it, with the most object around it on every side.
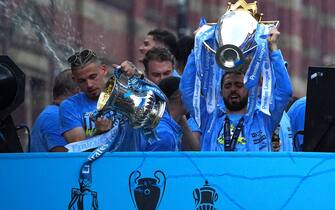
(230, 142)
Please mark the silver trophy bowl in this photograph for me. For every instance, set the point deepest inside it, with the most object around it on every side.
(235, 35)
(141, 107)
(235, 38)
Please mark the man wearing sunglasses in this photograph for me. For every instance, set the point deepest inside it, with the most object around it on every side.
(75, 112)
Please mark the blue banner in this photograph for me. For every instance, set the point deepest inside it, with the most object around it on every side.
(172, 180)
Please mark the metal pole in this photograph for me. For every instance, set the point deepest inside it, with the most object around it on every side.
(182, 22)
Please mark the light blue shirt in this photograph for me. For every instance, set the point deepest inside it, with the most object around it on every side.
(285, 134)
(169, 135)
(258, 128)
(297, 117)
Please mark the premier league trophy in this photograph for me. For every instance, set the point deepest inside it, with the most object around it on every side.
(235, 34)
(147, 193)
(237, 42)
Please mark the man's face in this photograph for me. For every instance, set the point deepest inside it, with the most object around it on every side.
(148, 43)
(235, 96)
(158, 70)
(91, 79)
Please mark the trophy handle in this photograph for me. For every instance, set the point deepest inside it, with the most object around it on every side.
(215, 197)
(161, 183)
(271, 24)
(197, 196)
(133, 181)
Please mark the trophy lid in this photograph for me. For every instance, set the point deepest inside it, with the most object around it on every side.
(238, 23)
(235, 27)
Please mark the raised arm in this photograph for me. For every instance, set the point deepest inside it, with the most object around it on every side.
(187, 83)
(282, 88)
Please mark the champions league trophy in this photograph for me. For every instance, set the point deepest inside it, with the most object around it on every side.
(139, 100)
(147, 193)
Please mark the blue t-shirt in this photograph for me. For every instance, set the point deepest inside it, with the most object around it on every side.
(258, 128)
(45, 133)
(75, 112)
(297, 117)
(169, 135)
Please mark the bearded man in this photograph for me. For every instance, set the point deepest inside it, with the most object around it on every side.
(231, 128)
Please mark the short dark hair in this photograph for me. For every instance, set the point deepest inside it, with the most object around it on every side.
(230, 72)
(165, 37)
(185, 45)
(158, 54)
(169, 85)
(82, 58)
(64, 84)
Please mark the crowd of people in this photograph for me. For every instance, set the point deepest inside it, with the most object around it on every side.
(170, 64)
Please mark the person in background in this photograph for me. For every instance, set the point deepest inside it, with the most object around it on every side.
(185, 45)
(297, 117)
(159, 63)
(158, 38)
(162, 39)
(46, 135)
(175, 118)
(282, 138)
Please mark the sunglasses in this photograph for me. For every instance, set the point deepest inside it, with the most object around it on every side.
(81, 58)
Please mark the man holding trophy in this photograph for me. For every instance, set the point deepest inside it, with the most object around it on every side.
(237, 51)
(124, 112)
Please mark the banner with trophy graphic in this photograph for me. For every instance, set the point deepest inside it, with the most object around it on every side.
(169, 180)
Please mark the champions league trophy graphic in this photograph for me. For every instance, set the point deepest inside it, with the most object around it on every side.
(147, 193)
(205, 197)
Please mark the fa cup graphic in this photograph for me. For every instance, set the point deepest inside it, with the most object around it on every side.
(205, 197)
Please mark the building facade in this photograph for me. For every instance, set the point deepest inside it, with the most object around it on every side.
(39, 35)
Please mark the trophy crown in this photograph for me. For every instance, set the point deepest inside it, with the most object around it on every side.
(243, 5)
